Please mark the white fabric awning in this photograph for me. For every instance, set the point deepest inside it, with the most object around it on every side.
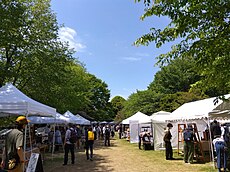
(139, 116)
(13, 101)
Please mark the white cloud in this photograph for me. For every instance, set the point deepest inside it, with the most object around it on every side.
(142, 54)
(69, 35)
(132, 58)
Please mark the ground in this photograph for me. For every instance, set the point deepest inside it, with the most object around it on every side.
(121, 157)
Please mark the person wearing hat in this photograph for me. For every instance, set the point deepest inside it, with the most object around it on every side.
(168, 146)
(13, 156)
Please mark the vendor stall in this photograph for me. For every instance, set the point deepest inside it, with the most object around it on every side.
(13, 103)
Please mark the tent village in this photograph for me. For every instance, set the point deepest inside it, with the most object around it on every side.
(38, 140)
(200, 114)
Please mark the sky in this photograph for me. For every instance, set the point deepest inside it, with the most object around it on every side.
(102, 32)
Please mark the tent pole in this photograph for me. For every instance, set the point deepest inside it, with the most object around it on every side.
(211, 145)
(153, 134)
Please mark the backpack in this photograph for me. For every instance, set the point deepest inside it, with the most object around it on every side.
(73, 136)
(90, 135)
(188, 135)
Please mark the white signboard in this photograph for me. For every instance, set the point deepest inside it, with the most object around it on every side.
(33, 162)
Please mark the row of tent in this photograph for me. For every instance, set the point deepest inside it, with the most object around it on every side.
(201, 112)
(13, 102)
(201, 109)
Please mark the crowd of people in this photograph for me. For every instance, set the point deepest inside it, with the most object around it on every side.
(75, 137)
(220, 137)
(70, 137)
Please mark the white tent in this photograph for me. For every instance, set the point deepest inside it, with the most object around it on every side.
(72, 118)
(83, 120)
(13, 101)
(58, 119)
(195, 110)
(134, 123)
(139, 116)
(160, 117)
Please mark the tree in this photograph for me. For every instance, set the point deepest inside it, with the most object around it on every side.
(178, 76)
(98, 95)
(202, 29)
(143, 101)
(118, 104)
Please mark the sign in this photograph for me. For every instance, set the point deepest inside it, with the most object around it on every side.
(35, 163)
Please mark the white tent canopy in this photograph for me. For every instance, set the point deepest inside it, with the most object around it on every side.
(13, 101)
(72, 118)
(58, 119)
(83, 120)
(160, 116)
(195, 110)
(139, 116)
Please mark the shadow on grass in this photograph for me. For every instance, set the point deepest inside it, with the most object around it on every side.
(99, 163)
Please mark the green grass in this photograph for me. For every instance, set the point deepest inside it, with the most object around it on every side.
(159, 157)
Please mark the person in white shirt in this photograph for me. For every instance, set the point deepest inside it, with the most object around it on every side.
(220, 148)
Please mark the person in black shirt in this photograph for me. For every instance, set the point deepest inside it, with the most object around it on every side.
(215, 129)
(168, 146)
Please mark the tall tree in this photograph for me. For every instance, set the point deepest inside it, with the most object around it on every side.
(178, 76)
(202, 29)
(118, 104)
(98, 96)
(31, 55)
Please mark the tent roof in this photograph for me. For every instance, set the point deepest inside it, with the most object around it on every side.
(13, 101)
(72, 118)
(221, 111)
(58, 119)
(195, 110)
(83, 120)
(160, 116)
(139, 116)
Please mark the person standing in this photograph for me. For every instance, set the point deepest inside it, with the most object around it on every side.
(188, 136)
(89, 143)
(167, 140)
(58, 138)
(215, 129)
(221, 152)
(79, 133)
(107, 136)
(14, 147)
(69, 146)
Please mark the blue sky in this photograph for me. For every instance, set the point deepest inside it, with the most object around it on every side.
(102, 32)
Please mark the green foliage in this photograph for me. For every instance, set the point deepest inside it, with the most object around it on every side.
(98, 99)
(118, 104)
(175, 77)
(143, 101)
(34, 59)
(202, 29)
(170, 102)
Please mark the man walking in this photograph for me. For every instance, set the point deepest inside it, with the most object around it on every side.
(69, 144)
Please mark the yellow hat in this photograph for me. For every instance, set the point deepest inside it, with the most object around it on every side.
(22, 120)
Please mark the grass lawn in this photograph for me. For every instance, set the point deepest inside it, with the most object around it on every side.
(123, 156)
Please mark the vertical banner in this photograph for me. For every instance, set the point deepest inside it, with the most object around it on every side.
(134, 128)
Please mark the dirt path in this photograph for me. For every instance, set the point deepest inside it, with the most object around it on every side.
(119, 158)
